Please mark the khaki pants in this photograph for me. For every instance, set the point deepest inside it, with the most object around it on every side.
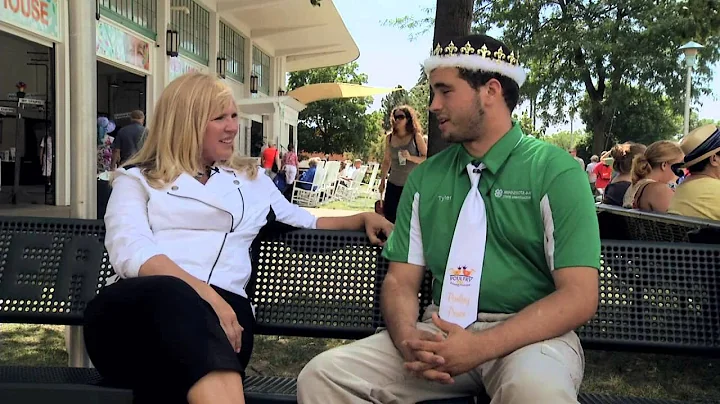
(371, 371)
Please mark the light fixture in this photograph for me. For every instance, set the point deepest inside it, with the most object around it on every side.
(253, 83)
(172, 42)
(690, 50)
(281, 92)
(221, 67)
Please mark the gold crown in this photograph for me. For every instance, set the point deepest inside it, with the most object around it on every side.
(499, 55)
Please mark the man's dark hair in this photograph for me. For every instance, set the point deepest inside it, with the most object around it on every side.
(477, 78)
(699, 166)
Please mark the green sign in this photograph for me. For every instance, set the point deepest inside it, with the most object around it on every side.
(117, 45)
(38, 16)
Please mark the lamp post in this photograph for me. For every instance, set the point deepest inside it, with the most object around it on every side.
(690, 50)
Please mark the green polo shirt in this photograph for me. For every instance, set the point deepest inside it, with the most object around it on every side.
(540, 217)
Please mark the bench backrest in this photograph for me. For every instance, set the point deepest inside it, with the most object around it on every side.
(632, 224)
(50, 268)
(654, 297)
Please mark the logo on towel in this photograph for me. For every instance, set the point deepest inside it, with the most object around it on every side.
(461, 276)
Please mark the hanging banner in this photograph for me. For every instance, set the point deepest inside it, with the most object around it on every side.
(37, 16)
(119, 46)
(180, 66)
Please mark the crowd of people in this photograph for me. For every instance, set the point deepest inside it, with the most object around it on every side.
(680, 178)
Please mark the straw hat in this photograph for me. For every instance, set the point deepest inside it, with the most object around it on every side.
(695, 139)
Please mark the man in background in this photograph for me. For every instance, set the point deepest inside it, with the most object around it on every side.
(128, 140)
(573, 152)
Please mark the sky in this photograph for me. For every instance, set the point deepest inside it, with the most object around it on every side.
(389, 58)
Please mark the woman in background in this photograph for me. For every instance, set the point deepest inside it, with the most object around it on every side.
(652, 174)
(405, 148)
(622, 155)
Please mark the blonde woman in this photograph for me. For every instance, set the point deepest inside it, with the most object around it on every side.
(178, 326)
(652, 172)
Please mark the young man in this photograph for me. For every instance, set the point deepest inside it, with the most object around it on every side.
(514, 257)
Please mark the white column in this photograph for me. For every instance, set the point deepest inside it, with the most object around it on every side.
(62, 114)
(83, 149)
(248, 65)
(160, 69)
(83, 110)
(214, 41)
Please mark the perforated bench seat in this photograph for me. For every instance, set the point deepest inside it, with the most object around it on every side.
(262, 390)
(22, 385)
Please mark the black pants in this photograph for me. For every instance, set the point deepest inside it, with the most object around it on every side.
(157, 336)
(392, 199)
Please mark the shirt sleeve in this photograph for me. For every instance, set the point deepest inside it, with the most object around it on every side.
(405, 243)
(117, 143)
(572, 235)
(287, 212)
(128, 237)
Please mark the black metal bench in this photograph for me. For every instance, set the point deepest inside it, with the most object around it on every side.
(617, 223)
(655, 297)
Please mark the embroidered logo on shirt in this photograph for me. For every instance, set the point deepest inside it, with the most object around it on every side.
(461, 276)
(521, 194)
(444, 198)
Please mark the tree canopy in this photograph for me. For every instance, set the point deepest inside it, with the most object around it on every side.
(335, 125)
(580, 50)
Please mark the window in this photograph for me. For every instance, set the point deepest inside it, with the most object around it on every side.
(261, 68)
(138, 15)
(193, 29)
(232, 46)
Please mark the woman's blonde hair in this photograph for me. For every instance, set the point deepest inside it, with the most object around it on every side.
(623, 155)
(175, 136)
(663, 151)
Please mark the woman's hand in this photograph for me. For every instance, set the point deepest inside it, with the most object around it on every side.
(228, 318)
(378, 228)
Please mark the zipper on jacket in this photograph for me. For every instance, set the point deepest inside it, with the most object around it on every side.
(232, 227)
(217, 259)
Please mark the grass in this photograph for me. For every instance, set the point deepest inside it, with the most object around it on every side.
(359, 204)
(653, 376)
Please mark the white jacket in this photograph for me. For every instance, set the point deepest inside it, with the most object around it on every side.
(206, 229)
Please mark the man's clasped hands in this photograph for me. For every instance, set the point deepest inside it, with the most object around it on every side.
(440, 356)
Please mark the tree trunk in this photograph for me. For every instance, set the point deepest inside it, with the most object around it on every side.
(598, 143)
(598, 123)
(452, 18)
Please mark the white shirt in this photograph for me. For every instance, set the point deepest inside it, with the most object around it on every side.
(206, 229)
(348, 172)
(591, 172)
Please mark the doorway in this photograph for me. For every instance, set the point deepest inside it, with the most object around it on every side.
(27, 122)
(256, 138)
(119, 92)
